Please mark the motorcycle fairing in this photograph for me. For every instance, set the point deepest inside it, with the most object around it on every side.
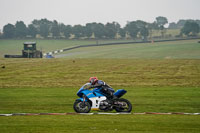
(119, 93)
(96, 102)
(94, 96)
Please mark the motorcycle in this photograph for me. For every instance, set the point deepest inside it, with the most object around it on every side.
(97, 100)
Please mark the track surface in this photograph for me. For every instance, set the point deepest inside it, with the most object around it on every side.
(115, 43)
(145, 113)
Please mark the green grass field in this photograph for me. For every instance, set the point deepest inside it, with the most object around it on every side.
(100, 123)
(16, 46)
(166, 50)
(43, 85)
(162, 84)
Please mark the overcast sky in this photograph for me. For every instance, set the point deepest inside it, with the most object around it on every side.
(85, 11)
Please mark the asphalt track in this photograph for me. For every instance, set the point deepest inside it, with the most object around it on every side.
(144, 113)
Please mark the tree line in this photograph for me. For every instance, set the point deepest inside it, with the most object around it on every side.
(134, 29)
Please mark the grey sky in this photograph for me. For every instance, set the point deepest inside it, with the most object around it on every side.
(84, 11)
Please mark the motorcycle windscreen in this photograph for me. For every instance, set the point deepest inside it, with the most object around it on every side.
(120, 93)
(85, 92)
(85, 88)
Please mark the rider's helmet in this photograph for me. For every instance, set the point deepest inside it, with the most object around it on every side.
(93, 80)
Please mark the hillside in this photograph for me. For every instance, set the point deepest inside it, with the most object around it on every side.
(163, 50)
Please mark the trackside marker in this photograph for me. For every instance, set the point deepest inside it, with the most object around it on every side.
(5, 114)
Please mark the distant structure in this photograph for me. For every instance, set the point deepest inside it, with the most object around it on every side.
(29, 51)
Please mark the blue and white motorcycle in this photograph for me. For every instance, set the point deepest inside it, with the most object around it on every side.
(96, 100)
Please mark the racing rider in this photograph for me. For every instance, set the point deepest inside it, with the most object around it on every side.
(108, 90)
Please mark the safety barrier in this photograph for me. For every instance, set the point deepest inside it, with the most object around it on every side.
(114, 43)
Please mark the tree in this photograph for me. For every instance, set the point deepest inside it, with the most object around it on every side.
(99, 30)
(198, 22)
(67, 31)
(190, 28)
(89, 28)
(78, 31)
(0, 34)
(122, 32)
(173, 25)
(111, 30)
(44, 30)
(9, 31)
(61, 27)
(161, 21)
(32, 30)
(151, 27)
(43, 26)
(132, 29)
(55, 29)
(20, 29)
(143, 30)
(181, 22)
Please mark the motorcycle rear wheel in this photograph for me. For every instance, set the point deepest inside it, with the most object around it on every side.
(123, 106)
(82, 107)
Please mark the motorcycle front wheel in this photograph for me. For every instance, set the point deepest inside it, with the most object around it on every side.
(122, 105)
(82, 107)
